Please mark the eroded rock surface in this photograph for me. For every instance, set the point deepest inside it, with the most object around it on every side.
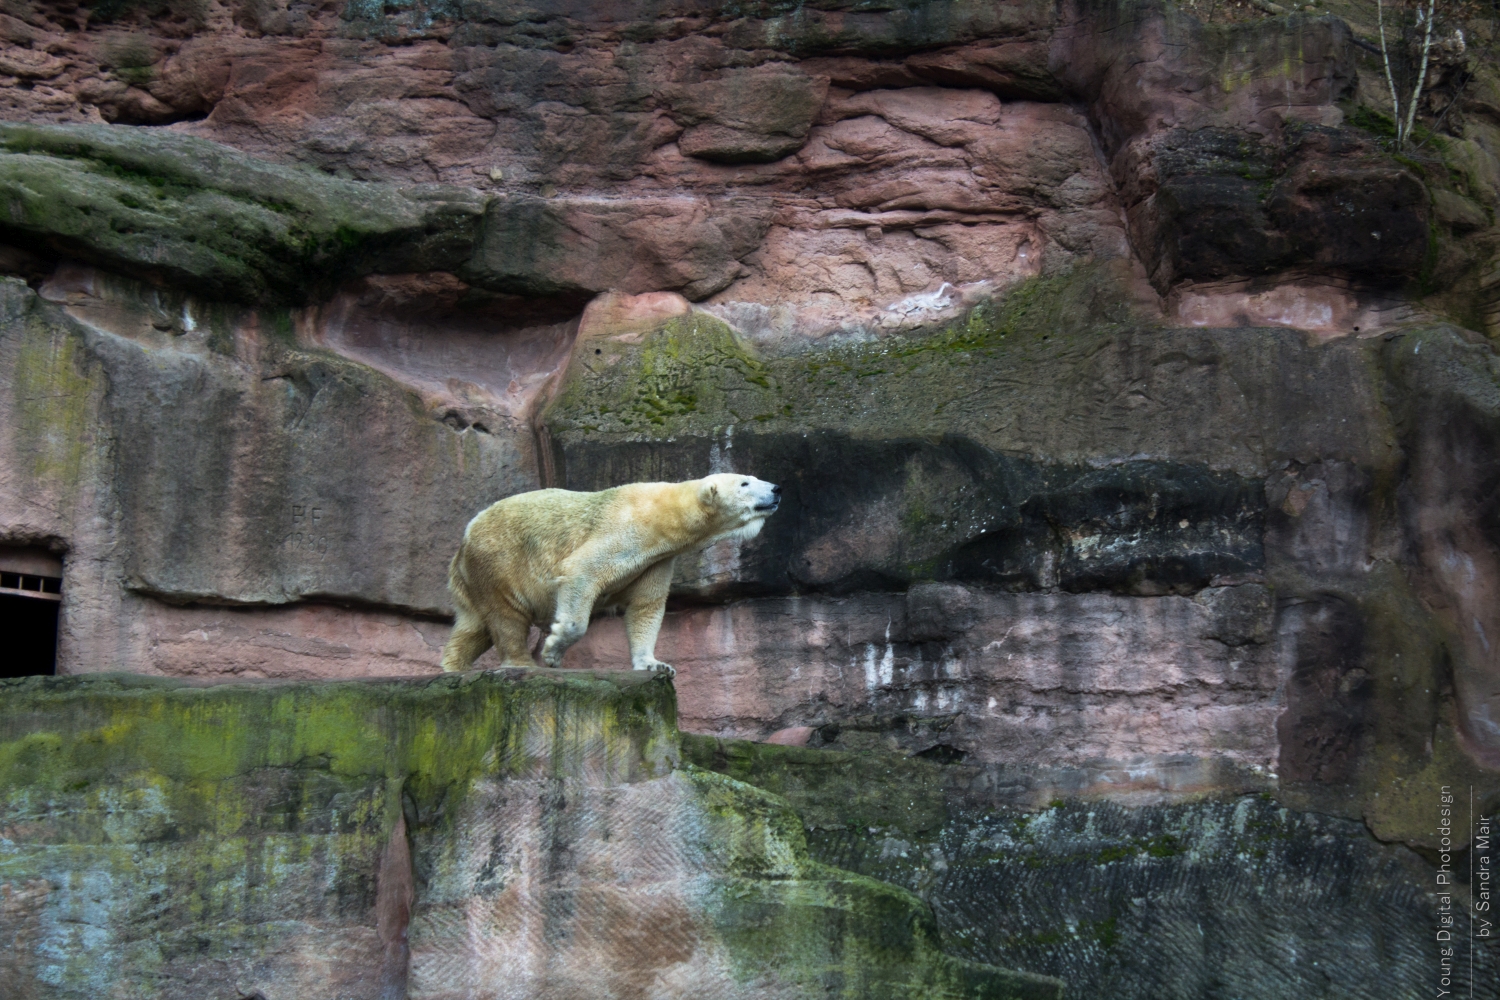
(1129, 697)
(1134, 400)
(1267, 449)
(1355, 909)
(509, 834)
(810, 170)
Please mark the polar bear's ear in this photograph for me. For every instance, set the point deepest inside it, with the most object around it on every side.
(710, 493)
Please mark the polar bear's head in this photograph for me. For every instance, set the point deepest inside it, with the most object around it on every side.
(742, 503)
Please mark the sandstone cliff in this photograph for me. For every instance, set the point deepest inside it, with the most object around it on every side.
(1136, 402)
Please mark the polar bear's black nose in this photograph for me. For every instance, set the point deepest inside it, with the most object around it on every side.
(776, 491)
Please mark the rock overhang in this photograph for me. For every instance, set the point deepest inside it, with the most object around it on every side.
(183, 212)
(624, 217)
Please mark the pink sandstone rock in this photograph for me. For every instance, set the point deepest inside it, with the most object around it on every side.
(792, 736)
(1323, 309)
(1037, 679)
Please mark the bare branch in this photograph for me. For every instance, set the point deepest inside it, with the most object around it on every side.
(1390, 81)
(1416, 92)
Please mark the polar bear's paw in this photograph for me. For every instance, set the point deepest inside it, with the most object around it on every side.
(562, 635)
(658, 667)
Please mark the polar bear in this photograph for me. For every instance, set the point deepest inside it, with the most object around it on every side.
(556, 556)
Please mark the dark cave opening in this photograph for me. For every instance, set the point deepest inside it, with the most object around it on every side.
(30, 628)
(30, 597)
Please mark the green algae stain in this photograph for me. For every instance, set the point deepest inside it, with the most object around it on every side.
(695, 375)
(208, 809)
(690, 365)
(25, 761)
(834, 789)
(789, 921)
(55, 390)
(306, 745)
(755, 832)
(215, 807)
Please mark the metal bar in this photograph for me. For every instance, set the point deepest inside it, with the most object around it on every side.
(40, 595)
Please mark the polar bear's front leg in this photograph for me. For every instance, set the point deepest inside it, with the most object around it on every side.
(575, 603)
(645, 606)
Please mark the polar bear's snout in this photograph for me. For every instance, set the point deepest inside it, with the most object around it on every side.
(763, 497)
(769, 499)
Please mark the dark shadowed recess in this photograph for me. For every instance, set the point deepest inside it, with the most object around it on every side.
(30, 594)
(31, 264)
(437, 297)
(860, 514)
(1329, 724)
(30, 629)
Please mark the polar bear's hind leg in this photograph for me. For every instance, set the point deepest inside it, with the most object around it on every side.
(509, 633)
(468, 640)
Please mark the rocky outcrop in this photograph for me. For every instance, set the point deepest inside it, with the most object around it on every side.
(747, 115)
(728, 155)
(1294, 548)
(185, 212)
(580, 246)
(1227, 150)
(1134, 399)
(1134, 698)
(1197, 874)
(192, 213)
(506, 834)
(195, 532)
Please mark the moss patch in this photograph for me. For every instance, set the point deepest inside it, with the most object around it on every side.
(67, 741)
(833, 789)
(58, 388)
(694, 375)
(181, 209)
(1115, 900)
(213, 828)
(791, 921)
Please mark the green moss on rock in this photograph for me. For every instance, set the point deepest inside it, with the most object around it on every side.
(789, 921)
(58, 389)
(167, 839)
(832, 789)
(694, 375)
(67, 741)
(1118, 901)
(172, 207)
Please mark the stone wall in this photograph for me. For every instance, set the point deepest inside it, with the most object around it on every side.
(495, 835)
(1136, 403)
(1202, 896)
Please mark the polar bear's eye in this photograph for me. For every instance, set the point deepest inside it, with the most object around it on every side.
(745, 483)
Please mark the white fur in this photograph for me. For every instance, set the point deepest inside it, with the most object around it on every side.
(529, 560)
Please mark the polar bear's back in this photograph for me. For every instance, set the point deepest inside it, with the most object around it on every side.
(543, 525)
